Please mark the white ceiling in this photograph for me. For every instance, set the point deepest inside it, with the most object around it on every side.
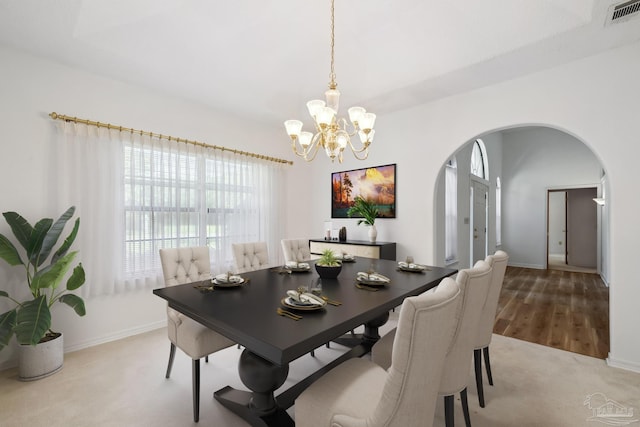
(265, 58)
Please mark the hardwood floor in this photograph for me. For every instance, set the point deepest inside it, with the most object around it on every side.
(560, 309)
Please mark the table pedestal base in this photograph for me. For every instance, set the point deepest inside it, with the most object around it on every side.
(259, 407)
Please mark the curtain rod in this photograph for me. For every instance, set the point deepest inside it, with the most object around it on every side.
(56, 116)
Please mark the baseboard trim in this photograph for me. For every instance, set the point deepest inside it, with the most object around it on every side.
(13, 362)
(116, 336)
(623, 364)
(524, 265)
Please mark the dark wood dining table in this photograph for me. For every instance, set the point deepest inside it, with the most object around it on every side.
(247, 315)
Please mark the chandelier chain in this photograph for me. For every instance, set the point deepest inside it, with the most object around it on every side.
(332, 75)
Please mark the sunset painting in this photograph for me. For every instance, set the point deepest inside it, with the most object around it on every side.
(376, 184)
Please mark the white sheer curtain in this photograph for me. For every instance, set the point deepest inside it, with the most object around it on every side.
(87, 173)
(137, 194)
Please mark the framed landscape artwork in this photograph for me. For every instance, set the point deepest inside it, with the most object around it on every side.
(376, 184)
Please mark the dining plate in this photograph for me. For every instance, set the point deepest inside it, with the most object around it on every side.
(413, 270)
(234, 284)
(371, 282)
(348, 260)
(299, 269)
(290, 303)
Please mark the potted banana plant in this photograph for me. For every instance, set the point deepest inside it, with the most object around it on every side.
(368, 212)
(41, 350)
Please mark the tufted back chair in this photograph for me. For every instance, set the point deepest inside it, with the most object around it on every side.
(474, 287)
(179, 266)
(295, 250)
(359, 393)
(498, 263)
(250, 256)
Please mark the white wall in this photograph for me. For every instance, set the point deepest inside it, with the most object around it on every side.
(535, 160)
(32, 88)
(594, 99)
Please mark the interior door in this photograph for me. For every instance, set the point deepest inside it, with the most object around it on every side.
(582, 228)
(479, 192)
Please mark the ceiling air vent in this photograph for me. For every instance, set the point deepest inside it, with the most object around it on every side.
(623, 11)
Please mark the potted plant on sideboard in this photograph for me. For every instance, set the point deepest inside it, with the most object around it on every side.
(369, 212)
(41, 350)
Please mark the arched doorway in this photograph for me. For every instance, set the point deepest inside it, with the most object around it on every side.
(525, 163)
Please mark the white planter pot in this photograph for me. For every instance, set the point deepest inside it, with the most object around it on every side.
(41, 360)
(373, 233)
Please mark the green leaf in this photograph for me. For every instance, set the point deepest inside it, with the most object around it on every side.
(7, 323)
(51, 276)
(20, 227)
(77, 278)
(33, 321)
(4, 294)
(8, 252)
(75, 302)
(38, 234)
(53, 234)
(67, 242)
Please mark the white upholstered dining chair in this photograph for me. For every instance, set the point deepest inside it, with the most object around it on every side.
(474, 286)
(250, 256)
(498, 263)
(184, 265)
(359, 393)
(295, 250)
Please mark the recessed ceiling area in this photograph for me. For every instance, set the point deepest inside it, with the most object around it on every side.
(263, 60)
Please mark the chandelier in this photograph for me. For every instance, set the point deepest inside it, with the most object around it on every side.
(333, 133)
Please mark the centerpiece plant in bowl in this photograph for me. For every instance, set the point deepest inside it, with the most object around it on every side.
(328, 266)
(369, 212)
(41, 350)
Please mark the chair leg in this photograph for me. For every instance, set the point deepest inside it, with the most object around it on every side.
(206, 359)
(465, 407)
(195, 373)
(312, 353)
(448, 411)
(487, 364)
(172, 353)
(477, 364)
(328, 345)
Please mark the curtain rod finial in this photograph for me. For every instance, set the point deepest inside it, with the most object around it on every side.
(53, 115)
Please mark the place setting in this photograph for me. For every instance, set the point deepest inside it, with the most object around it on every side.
(371, 281)
(222, 281)
(297, 267)
(303, 300)
(346, 258)
(411, 266)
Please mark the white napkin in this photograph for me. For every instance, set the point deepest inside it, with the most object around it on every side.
(305, 298)
(373, 277)
(225, 278)
(411, 266)
(347, 256)
(293, 264)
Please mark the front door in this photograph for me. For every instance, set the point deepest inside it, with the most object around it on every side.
(479, 195)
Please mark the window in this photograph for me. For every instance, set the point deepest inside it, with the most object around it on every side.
(451, 211)
(136, 194)
(498, 212)
(479, 165)
(191, 198)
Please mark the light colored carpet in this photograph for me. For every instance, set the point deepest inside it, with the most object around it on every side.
(122, 384)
